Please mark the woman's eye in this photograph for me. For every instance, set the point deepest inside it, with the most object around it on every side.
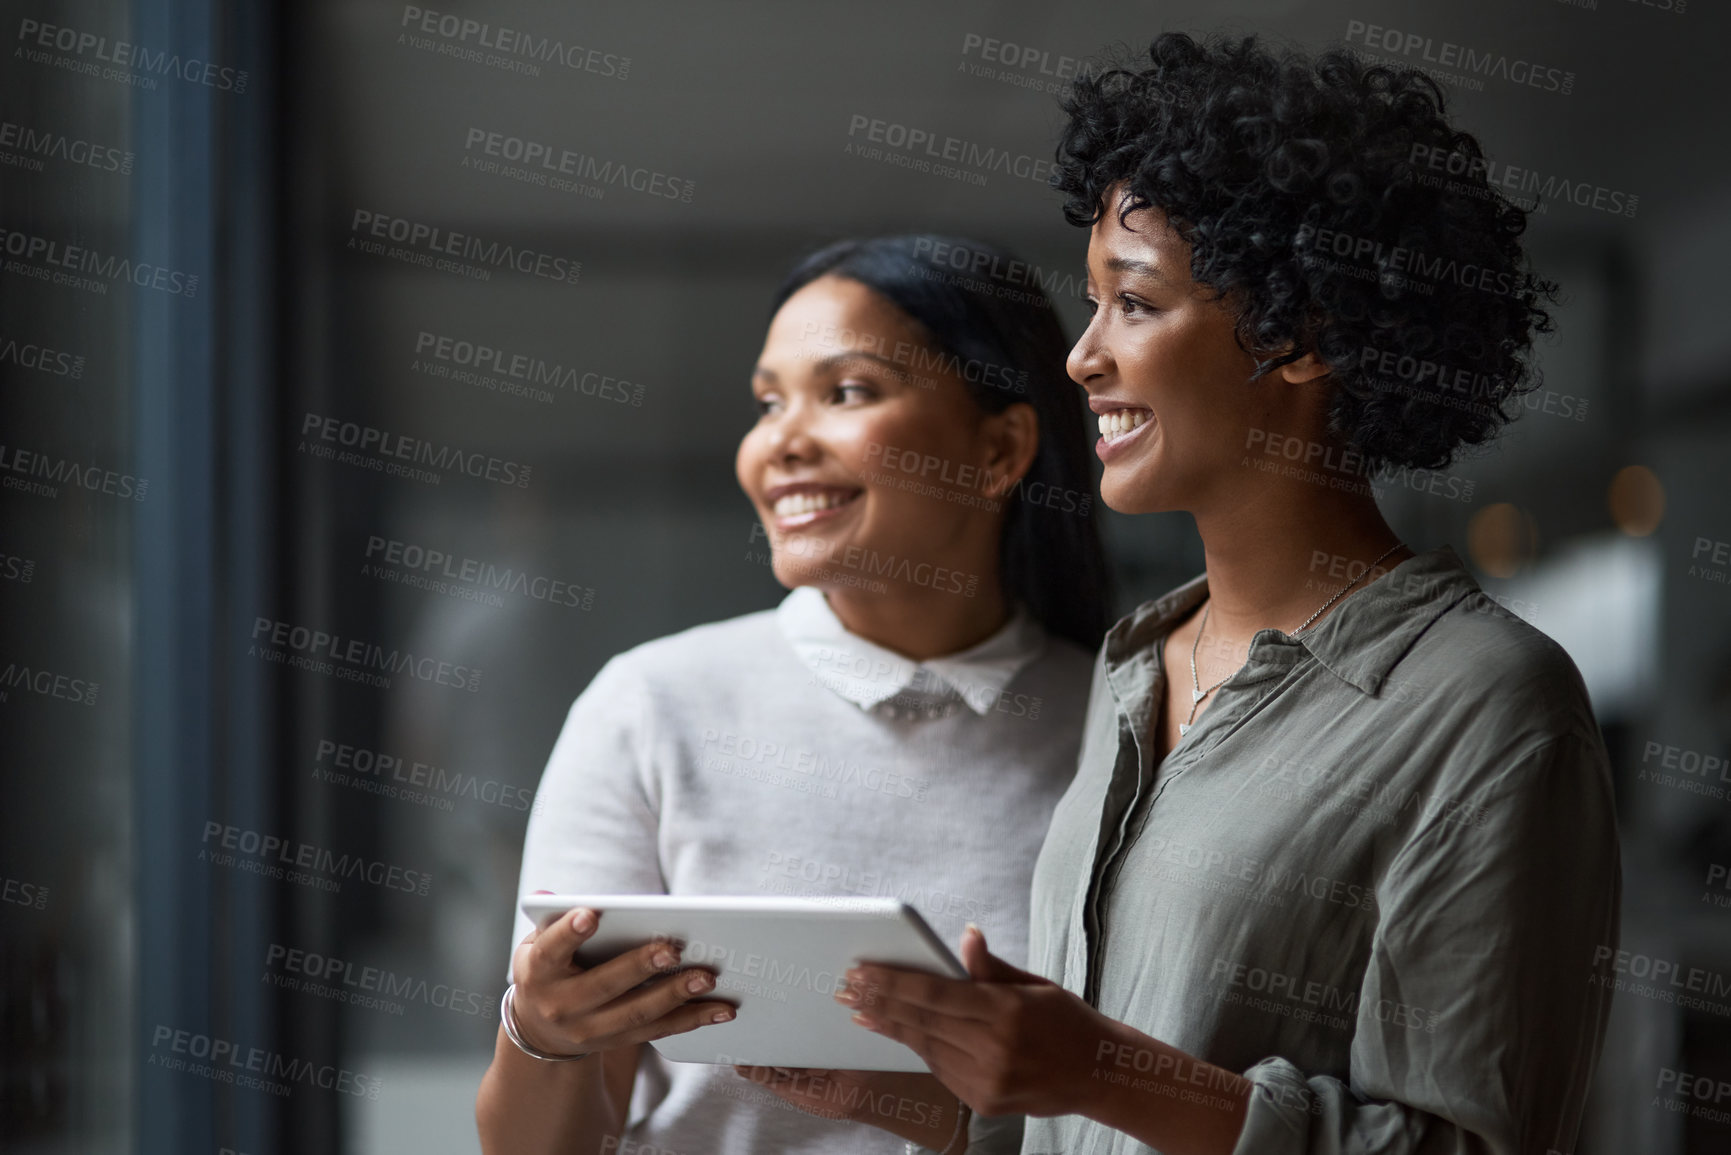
(853, 391)
(1131, 305)
(1093, 305)
(764, 404)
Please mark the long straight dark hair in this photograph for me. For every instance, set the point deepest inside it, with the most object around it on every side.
(1051, 557)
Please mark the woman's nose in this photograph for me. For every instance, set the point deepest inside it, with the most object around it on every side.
(791, 437)
(1087, 359)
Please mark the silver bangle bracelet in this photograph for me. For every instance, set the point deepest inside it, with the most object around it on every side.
(508, 1020)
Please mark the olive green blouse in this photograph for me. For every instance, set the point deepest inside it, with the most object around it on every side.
(1371, 878)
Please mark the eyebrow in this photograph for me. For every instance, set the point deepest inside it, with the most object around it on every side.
(1126, 265)
(835, 359)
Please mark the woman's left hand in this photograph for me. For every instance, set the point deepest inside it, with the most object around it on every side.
(1006, 1042)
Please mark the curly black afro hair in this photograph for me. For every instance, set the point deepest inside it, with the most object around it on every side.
(1332, 206)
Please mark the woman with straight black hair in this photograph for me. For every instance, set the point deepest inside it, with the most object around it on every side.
(901, 725)
(999, 338)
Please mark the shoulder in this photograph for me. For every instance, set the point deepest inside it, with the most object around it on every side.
(1438, 642)
(1506, 710)
(1483, 654)
(1501, 731)
(707, 657)
(700, 664)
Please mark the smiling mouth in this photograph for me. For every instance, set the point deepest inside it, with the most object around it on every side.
(804, 506)
(1121, 423)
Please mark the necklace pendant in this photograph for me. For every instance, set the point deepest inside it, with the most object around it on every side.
(1183, 729)
(1197, 695)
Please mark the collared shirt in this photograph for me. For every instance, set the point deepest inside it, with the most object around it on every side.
(715, 761)
(868, 675)
(1373, 877)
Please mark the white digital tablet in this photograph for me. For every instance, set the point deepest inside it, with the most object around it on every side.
(778, 960)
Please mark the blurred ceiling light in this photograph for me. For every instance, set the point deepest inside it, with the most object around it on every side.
(1636, 500)
(1502, 539)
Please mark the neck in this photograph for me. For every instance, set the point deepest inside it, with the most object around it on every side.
(922, 623)
(1274, 557)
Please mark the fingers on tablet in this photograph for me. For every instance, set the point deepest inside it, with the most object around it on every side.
(632, 969)
(557, 942)
(860, 988)
(690, 1017)
(661, 1009)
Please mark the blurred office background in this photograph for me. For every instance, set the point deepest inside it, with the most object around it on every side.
(163, 598)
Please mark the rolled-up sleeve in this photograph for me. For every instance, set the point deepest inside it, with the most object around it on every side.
(594, 827)
(1478, 1022)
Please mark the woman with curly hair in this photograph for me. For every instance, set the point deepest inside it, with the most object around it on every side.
(1341, 847)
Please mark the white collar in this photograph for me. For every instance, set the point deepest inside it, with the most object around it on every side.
(866, 673)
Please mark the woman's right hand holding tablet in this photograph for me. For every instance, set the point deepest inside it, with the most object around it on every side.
(565, 1009)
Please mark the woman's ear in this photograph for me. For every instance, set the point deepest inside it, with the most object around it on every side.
(1012, 440)
(1307, 368)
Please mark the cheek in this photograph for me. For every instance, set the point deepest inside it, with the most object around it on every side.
(748, 461)
(1193, 388)
(865, 441)
(873, 435)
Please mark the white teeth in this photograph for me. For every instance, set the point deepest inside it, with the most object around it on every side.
(792, 504)
(1121, 421)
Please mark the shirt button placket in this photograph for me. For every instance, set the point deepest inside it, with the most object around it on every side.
(1131, 751)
